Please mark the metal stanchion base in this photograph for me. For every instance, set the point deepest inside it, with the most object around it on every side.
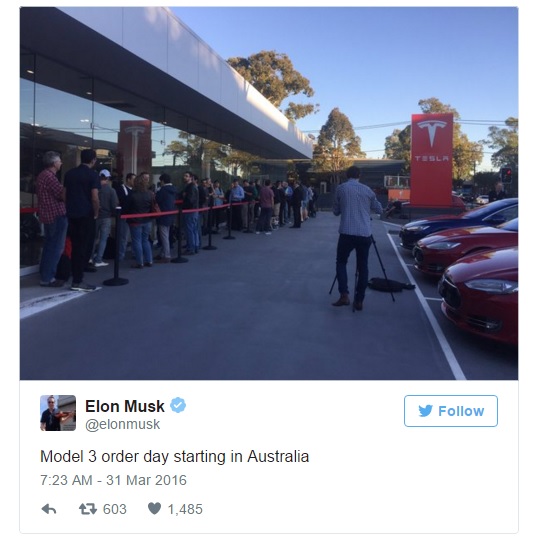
(208, 247)
(229, 238)
(115, 281)
(179, 260)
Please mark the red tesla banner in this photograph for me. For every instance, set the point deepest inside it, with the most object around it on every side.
(431, 160)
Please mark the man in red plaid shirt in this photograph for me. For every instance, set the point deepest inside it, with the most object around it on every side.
(52, 213)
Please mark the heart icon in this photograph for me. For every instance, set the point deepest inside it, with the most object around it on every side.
(154, 507)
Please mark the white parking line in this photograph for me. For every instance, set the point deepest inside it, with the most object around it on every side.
(445, 347)
(43, 303)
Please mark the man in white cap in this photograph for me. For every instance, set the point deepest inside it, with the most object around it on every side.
(108, 201)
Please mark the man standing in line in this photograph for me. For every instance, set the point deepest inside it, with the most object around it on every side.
(266, 199)
(146, 177)
(354, 202)
(108, 201)
(296, 202)
(190, 199)
(123, 195)
(166, 200)
(52, 213)
(236, 196)
(288, 193)
(82, 185)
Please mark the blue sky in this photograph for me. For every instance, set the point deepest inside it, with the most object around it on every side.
(375, 64)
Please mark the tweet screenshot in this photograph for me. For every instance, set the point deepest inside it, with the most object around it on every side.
(269, 278)
(309, 457)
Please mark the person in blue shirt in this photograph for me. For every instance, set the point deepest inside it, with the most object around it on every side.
(236, 196)
(354, 202)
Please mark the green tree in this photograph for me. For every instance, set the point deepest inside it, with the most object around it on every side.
(466, 154)
(195, 152)
(434, 106)
(274, 76)
(398, 146)
(176, 149)
(240, 163)
(338, 145)
(505, 141)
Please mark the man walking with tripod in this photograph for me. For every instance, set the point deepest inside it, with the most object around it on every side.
(354, 202)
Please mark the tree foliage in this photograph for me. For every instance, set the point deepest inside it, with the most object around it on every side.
(505, 141)
(466, 154)
(176, 149)
(434, 106)
(398, 146)
(240, 163)
(338, 145)
(274, 76)
(194, 151)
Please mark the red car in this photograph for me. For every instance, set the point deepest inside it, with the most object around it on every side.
(480, 294)
(439, 250)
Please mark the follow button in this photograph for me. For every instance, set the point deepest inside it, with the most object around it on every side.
(444, 411)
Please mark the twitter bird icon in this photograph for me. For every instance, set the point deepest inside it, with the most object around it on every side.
(425, 411)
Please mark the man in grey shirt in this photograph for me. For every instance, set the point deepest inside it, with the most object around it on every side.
(354, 202)
(108, 201)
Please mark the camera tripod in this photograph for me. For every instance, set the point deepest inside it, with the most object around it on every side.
(357, 274)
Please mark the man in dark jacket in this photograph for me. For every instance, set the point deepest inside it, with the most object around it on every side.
(82, 185)
(166, 200)
(296, 201)
(498, 193)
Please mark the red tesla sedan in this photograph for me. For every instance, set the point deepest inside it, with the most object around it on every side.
(435, 252)
(480, 294)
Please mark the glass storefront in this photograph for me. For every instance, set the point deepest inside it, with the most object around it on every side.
(66, 111)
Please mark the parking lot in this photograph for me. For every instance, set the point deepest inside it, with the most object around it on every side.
(254, 308)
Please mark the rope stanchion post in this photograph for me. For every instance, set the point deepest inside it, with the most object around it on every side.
(179, 258)
(116, 280)
(229, 220)
(248, 229)
(209, 227)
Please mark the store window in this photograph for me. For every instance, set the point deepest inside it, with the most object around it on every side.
(65, 110)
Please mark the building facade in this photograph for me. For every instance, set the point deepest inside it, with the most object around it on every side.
(144, 91)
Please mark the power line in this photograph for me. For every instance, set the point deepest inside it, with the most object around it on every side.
(407, 122)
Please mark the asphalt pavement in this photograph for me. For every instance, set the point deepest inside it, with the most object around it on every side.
(256, 307)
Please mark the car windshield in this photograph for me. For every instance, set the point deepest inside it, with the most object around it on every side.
(512, 225)
(483, 210)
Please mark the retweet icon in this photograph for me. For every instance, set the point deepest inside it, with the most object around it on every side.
(425, 411)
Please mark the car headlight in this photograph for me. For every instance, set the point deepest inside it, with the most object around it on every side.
(494, 287)
(419, 228)
(443, 245)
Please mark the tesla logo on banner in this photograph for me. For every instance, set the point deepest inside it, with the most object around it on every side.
(431, 159)
(431, 126)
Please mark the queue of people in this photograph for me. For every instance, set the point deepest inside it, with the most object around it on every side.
(77, 216)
